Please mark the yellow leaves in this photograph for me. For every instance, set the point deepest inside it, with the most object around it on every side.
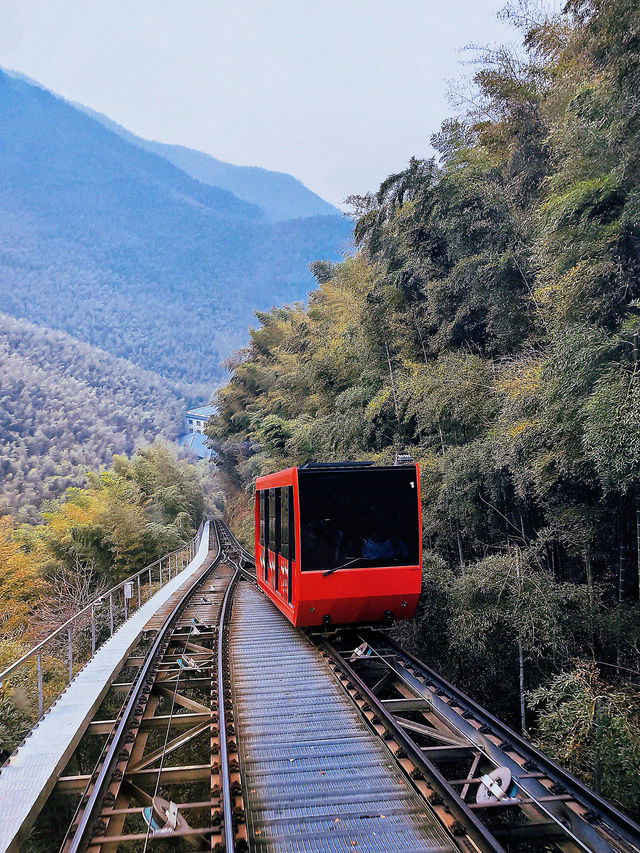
(556, 298)
(521, 380)
(377, 404)
(519, 427)
(20, 581)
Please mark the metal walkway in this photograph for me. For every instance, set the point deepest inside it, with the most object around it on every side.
(31, 773)
(315, 777)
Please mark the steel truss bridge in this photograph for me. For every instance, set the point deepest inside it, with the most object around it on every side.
(196, 717)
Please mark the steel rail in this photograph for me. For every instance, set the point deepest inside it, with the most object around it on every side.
(81, 836)
(474, 828)
(612, 819)
(584, 795)
(227, 804)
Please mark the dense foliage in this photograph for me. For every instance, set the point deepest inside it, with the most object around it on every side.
(489, 323)
(122, 520)
(67, 407)
(123, 250)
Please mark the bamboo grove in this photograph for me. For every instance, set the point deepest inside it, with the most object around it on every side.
(488, 323)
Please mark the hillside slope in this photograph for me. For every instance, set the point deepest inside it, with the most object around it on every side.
(279, 195)
(118, 247)
(67, 407)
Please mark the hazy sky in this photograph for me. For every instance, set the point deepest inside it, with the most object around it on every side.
(339, 93)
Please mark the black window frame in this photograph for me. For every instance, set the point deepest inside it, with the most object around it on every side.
(285, 521)
(264, 517)
(358, 512)
(274, 531)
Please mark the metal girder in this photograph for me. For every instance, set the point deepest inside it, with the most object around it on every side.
(103, 727)
(168, 748)
(183, 701)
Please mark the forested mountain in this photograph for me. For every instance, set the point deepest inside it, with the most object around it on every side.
(490, 324)
(66, 408)
(119, 248)
(279, 195)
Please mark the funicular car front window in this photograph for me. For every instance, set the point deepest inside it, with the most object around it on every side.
(355, 519)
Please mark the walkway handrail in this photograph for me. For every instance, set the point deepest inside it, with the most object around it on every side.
(191, 546)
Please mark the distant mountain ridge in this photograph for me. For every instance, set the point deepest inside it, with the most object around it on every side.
(120, 248)
(280, 195)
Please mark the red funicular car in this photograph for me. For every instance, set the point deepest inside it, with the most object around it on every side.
(340, 543)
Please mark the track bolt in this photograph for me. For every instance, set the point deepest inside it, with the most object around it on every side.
(416, 773)
(435, 799)
(236, 788)
(458, 829)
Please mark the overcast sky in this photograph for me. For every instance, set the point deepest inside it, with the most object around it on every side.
(339, 93)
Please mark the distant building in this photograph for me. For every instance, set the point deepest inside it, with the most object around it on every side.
(194, 437)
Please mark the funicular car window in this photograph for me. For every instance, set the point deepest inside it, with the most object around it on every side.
(292, 526)
(274, 529)
(356, 519)
(284, 521)
(265, 525)
(262, 509)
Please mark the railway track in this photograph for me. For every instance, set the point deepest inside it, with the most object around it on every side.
(489, 787)
(167, 771)
(467, 762)
(239, 731)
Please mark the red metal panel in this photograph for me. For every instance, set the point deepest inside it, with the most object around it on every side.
(358, 595)
(287, 477)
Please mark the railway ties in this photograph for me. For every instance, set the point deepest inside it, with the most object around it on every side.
(166, 781)
(315, 777)
(469, 763)
(154, 770)
(238, 731)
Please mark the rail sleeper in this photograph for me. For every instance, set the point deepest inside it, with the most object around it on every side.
(315, 777)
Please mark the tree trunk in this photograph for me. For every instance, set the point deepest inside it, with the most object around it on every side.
(588, 565)
(638, 538)
(523, 717)
(392, 378)
(623, 554)
(460, 552)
